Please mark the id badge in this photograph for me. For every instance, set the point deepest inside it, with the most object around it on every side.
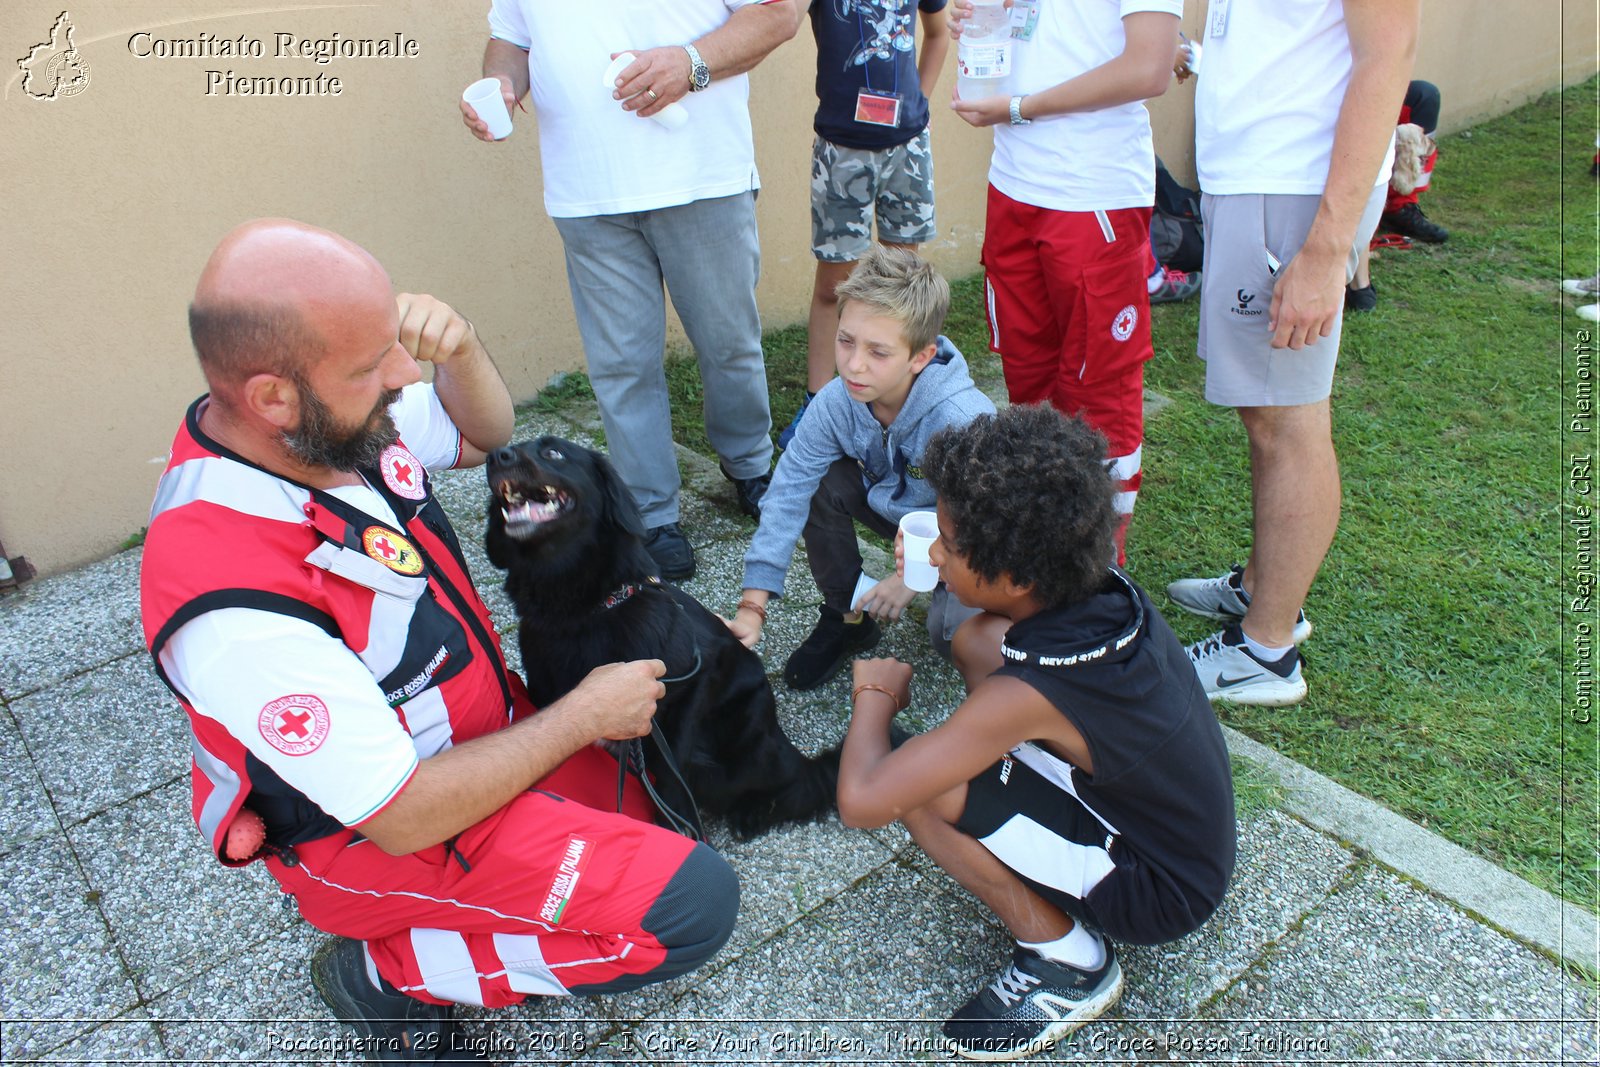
(1024, 19)
(877, 109)
(1217, 25)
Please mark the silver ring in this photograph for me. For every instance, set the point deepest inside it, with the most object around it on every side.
(653, 96)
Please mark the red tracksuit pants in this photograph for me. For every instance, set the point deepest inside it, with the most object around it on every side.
(1069, 315)
(551, 895)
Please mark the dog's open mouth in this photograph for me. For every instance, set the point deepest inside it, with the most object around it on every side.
(529, 507)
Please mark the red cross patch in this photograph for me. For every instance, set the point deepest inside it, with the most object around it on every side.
(401, 472)
(391, 550)
(1122, 326)
(295, 725)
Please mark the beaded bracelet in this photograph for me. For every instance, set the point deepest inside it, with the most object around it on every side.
(855, 694)
(759, 609)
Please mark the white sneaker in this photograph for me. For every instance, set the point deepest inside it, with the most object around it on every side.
(1582, 286)
(1590, 312)
(1223, 598)
(1229, 671)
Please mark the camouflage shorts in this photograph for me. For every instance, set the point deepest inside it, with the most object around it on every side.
(849, 186)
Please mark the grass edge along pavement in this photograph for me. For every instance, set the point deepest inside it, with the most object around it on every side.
(1434, 670)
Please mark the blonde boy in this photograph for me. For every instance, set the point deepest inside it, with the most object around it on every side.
(857, 457)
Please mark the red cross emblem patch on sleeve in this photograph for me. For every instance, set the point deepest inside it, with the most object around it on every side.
(392, 550)
(401, 472)
(295, 725)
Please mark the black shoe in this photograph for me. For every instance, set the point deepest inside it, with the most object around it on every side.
(1410, 220)
(671, 551)
(394, 1028)
(748, 491)
(830, 645)
(1033, 1004)
(1361, 299)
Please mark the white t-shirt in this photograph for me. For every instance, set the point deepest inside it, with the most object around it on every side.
(232, 663)
(1093, 160)
(1269, 95)
(599, 159)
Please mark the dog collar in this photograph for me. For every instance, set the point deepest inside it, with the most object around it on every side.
(623, 594)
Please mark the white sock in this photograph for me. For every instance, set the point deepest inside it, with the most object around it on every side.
(1078, 948)
(1264, 653)
(1159, 276)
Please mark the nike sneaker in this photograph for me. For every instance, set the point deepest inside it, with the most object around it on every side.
(1229, 671)
(1223, 598)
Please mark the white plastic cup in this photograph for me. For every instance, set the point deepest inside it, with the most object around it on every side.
(918, 531)
(484, 96)
(671, 117)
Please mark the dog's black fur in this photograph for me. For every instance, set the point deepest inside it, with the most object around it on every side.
(575, 539)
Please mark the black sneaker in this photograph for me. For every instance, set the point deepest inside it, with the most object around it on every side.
(829, 647)
(671, 551)
(1410, 221)
(394, 1028)
(1365, 299)
(748, 491)
(1033, 1004)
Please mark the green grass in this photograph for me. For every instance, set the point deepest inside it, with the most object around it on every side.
(1435, 671)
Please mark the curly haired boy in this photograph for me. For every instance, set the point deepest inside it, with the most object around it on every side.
(1082, 790)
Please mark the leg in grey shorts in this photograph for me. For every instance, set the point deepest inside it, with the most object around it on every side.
(1244, 233)
(852, 187)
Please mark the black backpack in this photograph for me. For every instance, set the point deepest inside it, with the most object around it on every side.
(1176, 231)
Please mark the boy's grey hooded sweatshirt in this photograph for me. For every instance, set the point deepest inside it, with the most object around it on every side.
(836, 427)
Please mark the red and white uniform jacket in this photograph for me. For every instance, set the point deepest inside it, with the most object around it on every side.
(321, 642)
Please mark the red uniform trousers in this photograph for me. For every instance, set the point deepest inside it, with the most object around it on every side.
(1069, 315)
(555, 893)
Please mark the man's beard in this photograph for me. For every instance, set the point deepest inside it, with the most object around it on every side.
(322, 442)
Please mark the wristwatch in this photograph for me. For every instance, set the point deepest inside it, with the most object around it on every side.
(699, 73)
(1016, 112)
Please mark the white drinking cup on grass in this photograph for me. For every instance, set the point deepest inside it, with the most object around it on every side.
(918, 531)
(486, 98)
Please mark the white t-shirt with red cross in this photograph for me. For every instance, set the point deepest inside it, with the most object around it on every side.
(1088, 161)
(301, 701)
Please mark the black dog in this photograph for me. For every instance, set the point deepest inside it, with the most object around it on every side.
(571, 541)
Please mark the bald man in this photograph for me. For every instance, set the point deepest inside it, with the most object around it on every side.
(354, 724)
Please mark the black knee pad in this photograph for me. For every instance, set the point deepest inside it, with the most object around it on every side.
(692, 918)
(694, 915)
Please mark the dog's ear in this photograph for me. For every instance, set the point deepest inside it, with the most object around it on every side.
(495, 541)
(616, 502)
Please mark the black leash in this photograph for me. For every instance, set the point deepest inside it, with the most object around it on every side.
(689, 825)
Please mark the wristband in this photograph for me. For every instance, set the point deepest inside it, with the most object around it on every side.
(1016, 112)
(855, 694)
(759, 609)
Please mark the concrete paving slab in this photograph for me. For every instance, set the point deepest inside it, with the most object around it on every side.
(103, 737)
(25, 811)
(60, 973)
(170, 904)
(129, 1039)
(69, 623)
(1509, 902)
(1387, 971)
(857, 980)
(258, 1004)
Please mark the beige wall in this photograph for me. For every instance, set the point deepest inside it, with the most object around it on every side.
(115, 196)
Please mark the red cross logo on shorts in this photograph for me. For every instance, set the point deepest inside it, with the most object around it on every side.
(295, 725)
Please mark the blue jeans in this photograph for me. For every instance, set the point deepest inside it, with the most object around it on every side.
(707, 255)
